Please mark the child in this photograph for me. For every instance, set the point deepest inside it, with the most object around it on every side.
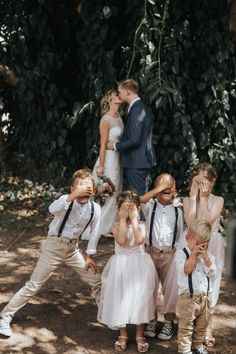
(195, 271)
(72, 214)
(165, 225)
(129, 279)
(202, 204)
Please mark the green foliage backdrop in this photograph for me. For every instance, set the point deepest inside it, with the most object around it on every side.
(58, 57)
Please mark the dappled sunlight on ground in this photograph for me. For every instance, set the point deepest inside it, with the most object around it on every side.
(61, 318)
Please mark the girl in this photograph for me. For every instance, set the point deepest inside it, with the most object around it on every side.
(108, 162)
(202, 204)
(129, 279)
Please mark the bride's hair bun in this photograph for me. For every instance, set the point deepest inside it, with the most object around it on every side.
(106, 101)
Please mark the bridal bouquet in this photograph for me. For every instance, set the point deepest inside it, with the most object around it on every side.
(104, 189)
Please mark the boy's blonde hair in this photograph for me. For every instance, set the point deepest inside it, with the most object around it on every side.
(164, 176)
(82, 174)
(202, 228)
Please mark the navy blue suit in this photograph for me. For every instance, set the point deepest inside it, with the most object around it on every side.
(136, 148)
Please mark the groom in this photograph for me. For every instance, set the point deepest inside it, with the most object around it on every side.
(135, 145)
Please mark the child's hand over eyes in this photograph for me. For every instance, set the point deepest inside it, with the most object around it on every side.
(133, 212)
(124, 211)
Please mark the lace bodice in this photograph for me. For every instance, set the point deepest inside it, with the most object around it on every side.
(116, 126)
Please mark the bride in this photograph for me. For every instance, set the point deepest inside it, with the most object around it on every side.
(108, 163)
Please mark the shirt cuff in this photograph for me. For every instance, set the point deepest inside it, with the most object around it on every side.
(114, 146)
(209, 270)
(91, 251)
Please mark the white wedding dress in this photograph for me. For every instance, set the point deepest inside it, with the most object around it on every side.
(113, 170)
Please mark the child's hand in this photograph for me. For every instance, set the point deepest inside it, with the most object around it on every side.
(133, 212)
(82, 191)
(204, 189)
(195, 187)
(165, 183)
(124, 211)
(200, 249)
(89, 263)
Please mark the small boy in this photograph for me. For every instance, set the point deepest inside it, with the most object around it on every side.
(164, 227)
(72, 214)
(195, 271)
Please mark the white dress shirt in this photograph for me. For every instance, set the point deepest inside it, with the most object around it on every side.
(199, 274)
(163, 224)
(76, 222)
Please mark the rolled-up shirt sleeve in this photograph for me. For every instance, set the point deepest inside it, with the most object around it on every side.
(59, 205)
(94, 231)
(210, 271)
(145, 207)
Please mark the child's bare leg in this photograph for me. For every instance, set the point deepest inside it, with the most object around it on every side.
(121, 343)
(142, 345)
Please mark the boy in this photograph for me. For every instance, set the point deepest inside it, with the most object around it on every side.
(195, 272)
(164, 225)
(72, 214)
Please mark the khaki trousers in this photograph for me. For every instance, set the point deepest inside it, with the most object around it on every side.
(55, 251)
(162, 260)
(193, 319)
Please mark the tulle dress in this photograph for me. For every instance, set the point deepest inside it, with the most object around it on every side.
(129, 286)
(216, 248)
(113, 170)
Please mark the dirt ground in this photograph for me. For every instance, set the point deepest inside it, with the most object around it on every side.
(61, 319)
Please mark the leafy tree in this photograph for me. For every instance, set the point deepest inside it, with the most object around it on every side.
(58, 57)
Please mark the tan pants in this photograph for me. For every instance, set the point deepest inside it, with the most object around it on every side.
(55, 251)
(193, 319)
(162, 260)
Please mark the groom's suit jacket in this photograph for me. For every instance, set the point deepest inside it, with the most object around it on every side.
(135, 145)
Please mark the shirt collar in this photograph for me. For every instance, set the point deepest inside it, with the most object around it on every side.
(132, 103)
(165, 206)
(81, 205)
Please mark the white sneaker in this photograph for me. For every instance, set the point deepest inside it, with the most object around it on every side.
(167, 331)
(150, 329)
(5, 329)
(200, 350)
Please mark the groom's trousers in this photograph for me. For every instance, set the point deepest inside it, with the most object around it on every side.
(136, 179)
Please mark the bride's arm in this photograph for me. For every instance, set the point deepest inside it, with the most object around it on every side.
(104, 131)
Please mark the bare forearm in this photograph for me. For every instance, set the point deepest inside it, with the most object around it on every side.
(102, 154)
(190, 213)
(190, 264)
(138, 235)
(122, 233)
(149, 195)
